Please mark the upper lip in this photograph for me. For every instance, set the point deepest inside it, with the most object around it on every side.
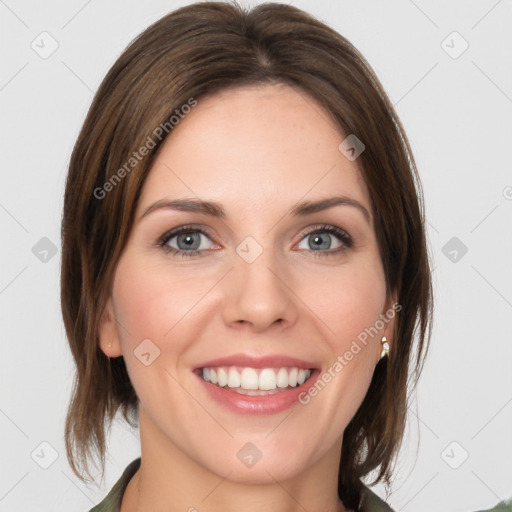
(269, 361)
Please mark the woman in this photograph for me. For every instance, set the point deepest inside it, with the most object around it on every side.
(244, 265)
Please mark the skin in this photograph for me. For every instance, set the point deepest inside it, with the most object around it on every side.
(257, 150)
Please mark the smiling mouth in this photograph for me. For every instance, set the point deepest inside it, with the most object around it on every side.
(255, 381)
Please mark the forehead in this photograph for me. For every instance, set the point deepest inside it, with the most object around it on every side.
(254, 146)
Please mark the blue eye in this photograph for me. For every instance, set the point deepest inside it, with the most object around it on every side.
(320, 240)
(189, 241)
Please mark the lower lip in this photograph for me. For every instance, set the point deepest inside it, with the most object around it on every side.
(260, 405)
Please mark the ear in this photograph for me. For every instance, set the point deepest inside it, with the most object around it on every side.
(392, 307)
(108, 333)
(389, 314)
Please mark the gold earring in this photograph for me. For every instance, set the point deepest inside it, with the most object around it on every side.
(385, 347)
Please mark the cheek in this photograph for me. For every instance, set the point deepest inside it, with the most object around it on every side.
(347, 300)
(153, 303)
(151, 300)
(349, 306)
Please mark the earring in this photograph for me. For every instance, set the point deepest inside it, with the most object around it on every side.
(385, 347)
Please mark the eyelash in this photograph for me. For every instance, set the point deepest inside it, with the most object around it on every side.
(342, 235)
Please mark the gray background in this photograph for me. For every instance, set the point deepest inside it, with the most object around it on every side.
(457, 112)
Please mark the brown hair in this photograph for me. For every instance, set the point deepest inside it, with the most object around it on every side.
(197, 51)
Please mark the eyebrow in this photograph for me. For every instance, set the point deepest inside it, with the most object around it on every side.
(215, 209)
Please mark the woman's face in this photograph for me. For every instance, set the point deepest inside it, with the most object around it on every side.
(269, 278)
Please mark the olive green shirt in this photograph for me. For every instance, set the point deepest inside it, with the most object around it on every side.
(370, 501)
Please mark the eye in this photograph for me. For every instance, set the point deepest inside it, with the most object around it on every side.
(321, 240)
(185, 241)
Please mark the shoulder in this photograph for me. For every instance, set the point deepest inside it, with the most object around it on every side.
(112, 502)
(370, 502)
(502, 506)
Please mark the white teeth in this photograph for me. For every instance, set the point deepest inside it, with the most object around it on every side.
(222, 377)
(292, 377)
(267, 379)
(233, 378)
(282, 378)
(251, 381)
(248, 379)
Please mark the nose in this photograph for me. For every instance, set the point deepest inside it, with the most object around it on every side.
(257, 295)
